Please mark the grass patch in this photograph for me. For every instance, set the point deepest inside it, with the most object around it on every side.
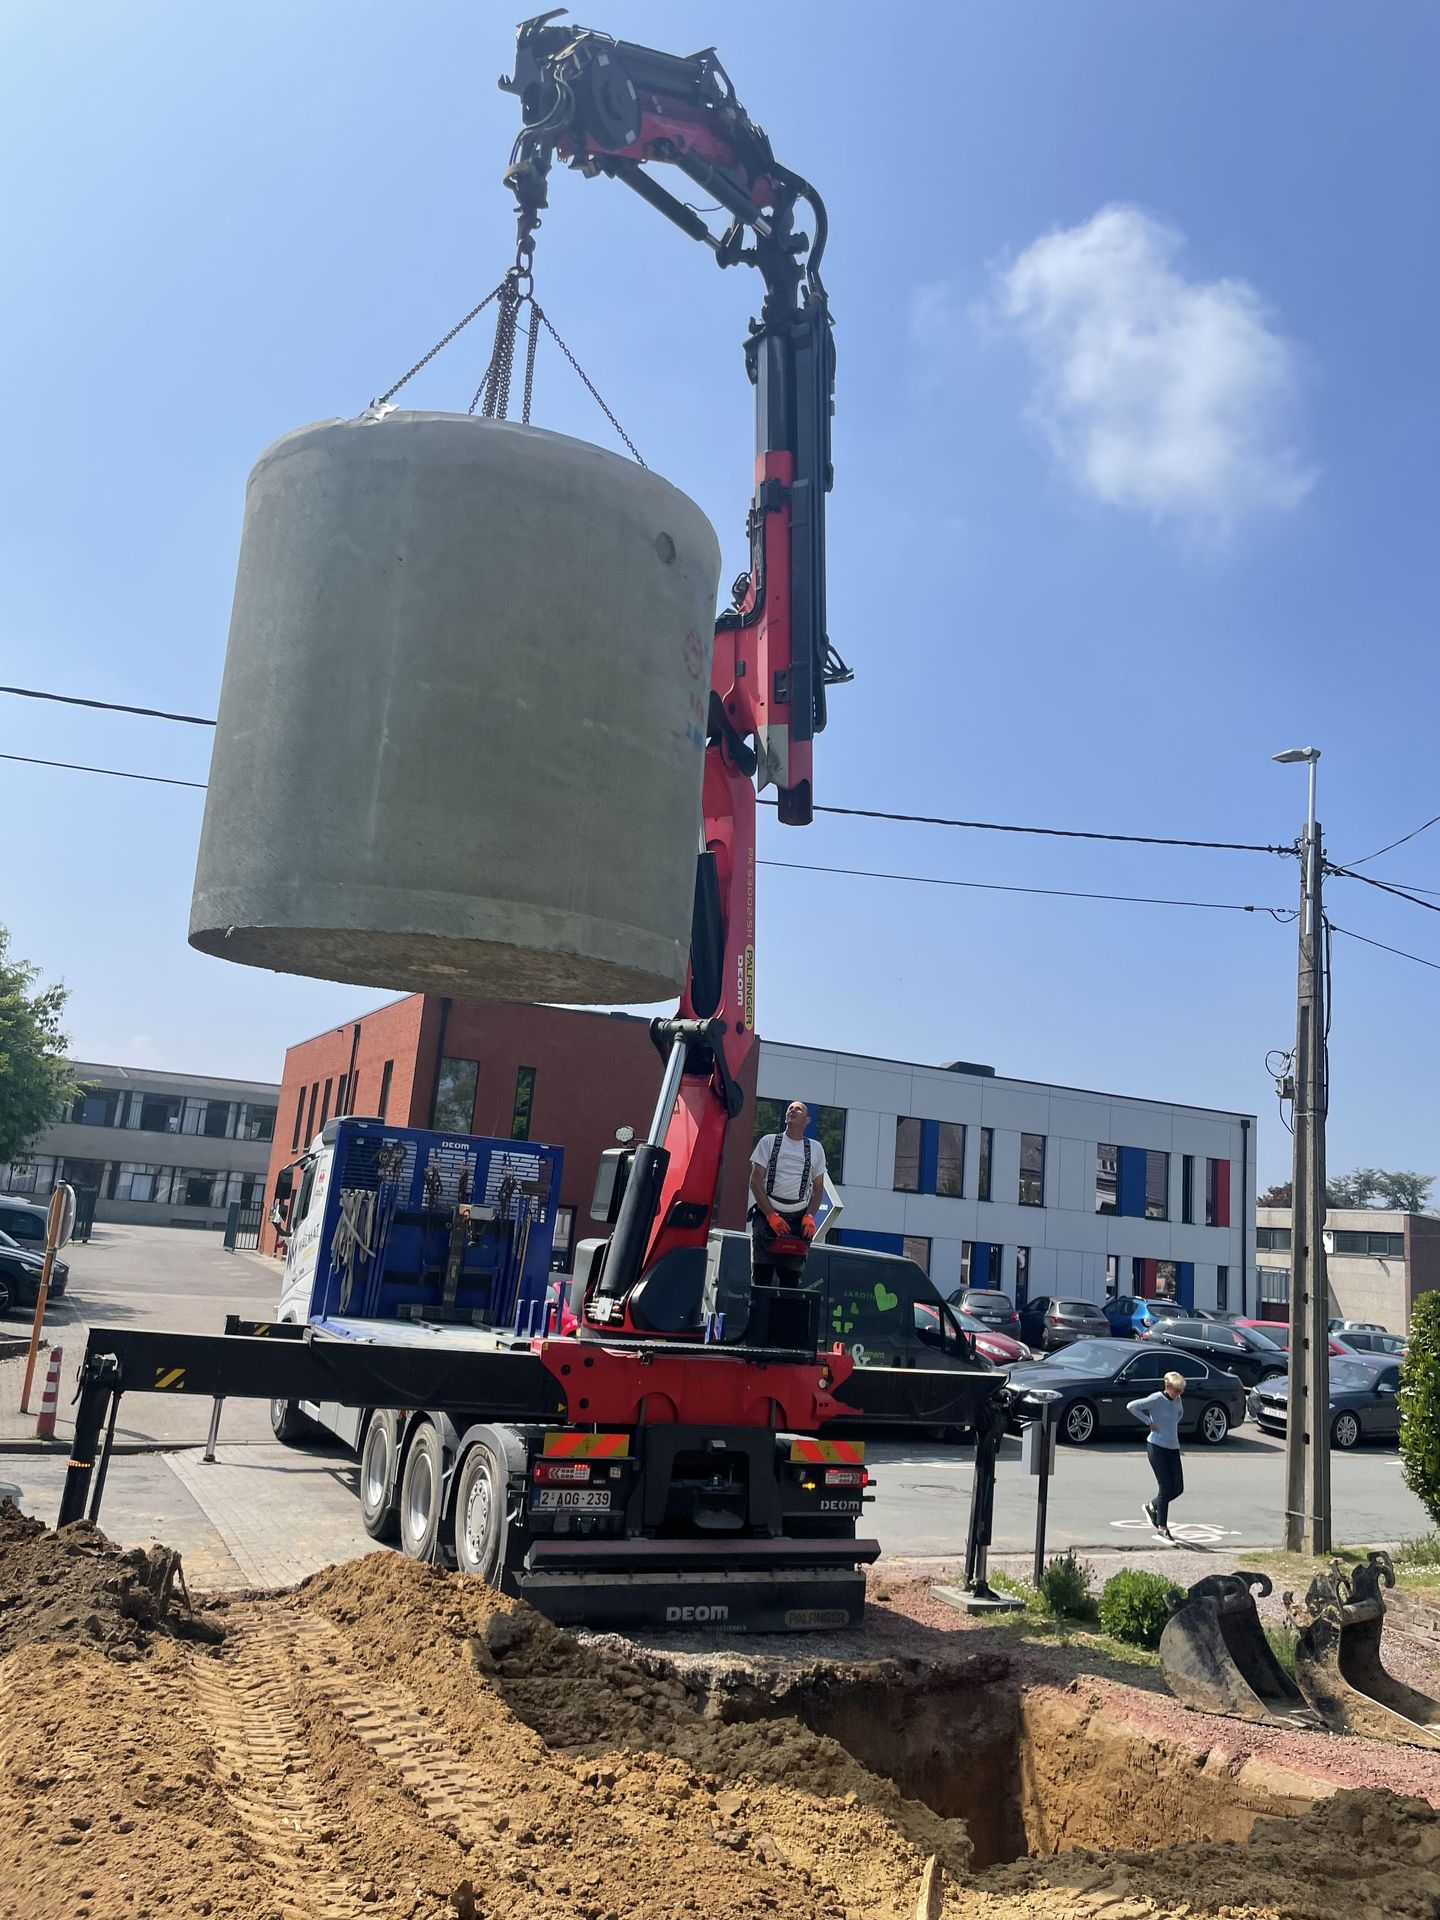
(1282, 1645)
(1417, 1565)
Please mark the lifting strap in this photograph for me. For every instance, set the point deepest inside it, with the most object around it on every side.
(774, 1164)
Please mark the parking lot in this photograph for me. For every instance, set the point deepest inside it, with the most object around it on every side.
(264, 1514)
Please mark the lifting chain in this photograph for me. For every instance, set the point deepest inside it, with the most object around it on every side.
(492, 396)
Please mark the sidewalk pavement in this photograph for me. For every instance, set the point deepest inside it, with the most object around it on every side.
(261, 1516)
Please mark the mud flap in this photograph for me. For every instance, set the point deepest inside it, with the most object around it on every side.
(1215, 1657)
(1338, 1660)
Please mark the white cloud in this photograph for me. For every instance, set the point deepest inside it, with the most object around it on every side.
(1168, 395)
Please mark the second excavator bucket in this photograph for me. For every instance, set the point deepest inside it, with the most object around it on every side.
(1215, 1657)
(1338, 1663)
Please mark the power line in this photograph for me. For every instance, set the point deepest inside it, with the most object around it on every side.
(109, 706)
(114, 773)
(1055, 833)
(856, 813)
(1367, 857)
(1367, 941)
(1281, 914)
(1383, 886)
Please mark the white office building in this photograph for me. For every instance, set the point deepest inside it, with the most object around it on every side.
(1030, 1188)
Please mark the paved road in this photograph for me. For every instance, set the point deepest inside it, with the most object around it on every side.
(265, 1514)
(152, 1277)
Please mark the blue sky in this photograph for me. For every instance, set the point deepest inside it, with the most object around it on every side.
(1135, 484)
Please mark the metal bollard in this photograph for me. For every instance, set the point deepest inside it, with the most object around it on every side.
(208, 1455)
(50, 1398)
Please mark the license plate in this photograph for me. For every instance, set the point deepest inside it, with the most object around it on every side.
(570, 1499)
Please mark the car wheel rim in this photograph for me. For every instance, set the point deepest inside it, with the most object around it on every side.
(1346, 1430)
(1078, 1423)
(1216, 1425)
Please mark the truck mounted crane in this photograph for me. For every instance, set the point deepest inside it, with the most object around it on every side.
(684, 1419)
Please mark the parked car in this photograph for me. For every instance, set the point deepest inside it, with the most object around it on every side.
(1048, 1323)
(1342, 1327)
(1129, 1316)
(1364, 1402)
(991, 1309)
(1367, 1341)
(24, 1221)
(998, 1347)
(1279, 1332)
(20, 1273)
(1097, 1378)
(1250, 1356)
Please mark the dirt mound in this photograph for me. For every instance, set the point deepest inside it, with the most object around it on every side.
(74, 1585)
(390, 1742)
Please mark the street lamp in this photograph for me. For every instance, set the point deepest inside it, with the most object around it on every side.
(1307, 1429)
(1306, 756)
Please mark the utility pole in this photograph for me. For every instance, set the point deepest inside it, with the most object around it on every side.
(1307, 1426)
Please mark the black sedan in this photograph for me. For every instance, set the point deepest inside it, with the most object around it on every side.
(1364, 1402)
(20, 1274)
(1252, 1357)
(1096, 1379)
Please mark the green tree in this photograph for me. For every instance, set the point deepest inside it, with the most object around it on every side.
(1358, 1188)
(1406, 1192)
(1420, 1405)
(34, 1073)
(1280, 1195)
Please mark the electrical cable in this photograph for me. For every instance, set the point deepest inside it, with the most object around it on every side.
(858, 813)
(1280, 914)
(1384, 886)
(1057, 833)
(1365, 858)
(1365, 940)
(109, 706)
(115, 773)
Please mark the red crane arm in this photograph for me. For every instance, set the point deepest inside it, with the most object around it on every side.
(608, 107)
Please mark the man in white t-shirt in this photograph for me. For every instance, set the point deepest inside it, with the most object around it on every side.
(787, 1179)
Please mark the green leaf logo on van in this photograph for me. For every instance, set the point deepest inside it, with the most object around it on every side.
(838, 1321)
(885, 1300)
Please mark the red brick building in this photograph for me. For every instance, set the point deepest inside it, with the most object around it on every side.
(492, 1068)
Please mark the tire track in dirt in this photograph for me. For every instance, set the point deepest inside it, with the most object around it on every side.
(262, 1764)
(391, 1726)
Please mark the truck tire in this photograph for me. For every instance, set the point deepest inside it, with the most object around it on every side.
(379, 1496)
(481, 1516)
(422, 1487)
(289, 1425)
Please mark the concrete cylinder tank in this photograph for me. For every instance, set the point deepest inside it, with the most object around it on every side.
(461, 729)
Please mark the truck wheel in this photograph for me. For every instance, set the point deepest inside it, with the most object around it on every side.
(481, 1520)
(288, 1424)
(421, 1486)
(379, 1497)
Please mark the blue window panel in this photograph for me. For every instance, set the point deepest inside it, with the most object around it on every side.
(1185, 1284)
(929, 1155)
(980, 1265)
(1130, 1183)
(869, 1242)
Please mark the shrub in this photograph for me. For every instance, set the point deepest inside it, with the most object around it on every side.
(1423, 1553)
(1420, 1405)
(1282, 1645)
(1065, 1587)
(1134, 1607)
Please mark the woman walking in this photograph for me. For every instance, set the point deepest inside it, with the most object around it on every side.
(1161, 1412)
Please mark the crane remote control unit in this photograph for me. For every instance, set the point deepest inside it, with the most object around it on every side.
(668, 1462)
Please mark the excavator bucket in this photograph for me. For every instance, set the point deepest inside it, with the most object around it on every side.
(1338, 1663)
(1215, 1657)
